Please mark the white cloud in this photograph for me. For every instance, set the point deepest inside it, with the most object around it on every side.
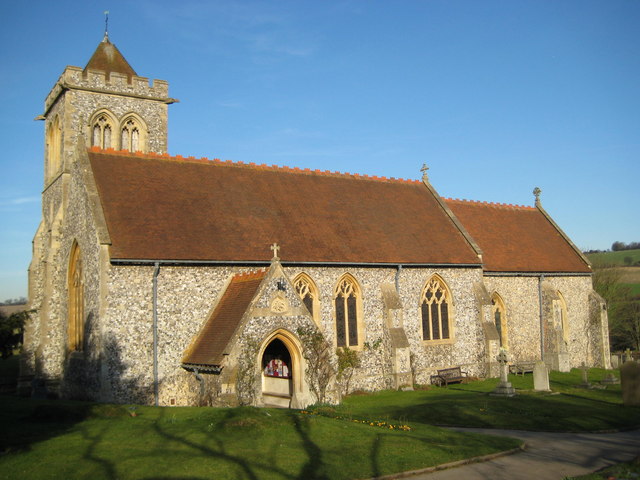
(18, 201)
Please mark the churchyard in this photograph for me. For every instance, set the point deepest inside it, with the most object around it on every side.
(367, 435)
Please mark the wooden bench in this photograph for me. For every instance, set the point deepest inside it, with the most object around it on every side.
(447, 376)
(522, 367)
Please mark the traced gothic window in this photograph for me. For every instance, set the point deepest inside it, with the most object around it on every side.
(308, 292)
(500, 318)
(347, 298)
(76, 301)
(131, 135)
(101, 131)
(435, 304)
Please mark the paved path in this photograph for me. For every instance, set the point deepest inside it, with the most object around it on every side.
(548, 456)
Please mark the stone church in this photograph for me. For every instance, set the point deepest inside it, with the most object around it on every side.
(165, 280)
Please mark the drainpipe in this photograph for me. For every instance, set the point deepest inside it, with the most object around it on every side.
(398, 279)
(540, 280)
(156, 271)
(201, 380)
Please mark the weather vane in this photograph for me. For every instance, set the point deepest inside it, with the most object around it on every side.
(106, 24)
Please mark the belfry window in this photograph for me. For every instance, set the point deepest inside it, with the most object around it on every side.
(101, 134)
(435, 305)
(130, 139)
(54, 146)
(346, 304)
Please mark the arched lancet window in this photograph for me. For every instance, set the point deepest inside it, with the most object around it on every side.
(561, 316)
(76, 300)
(306, 289)
(500, 319)
(132, 134)
(102, 130)
(54, 146)
(435, 304)
(347, 306)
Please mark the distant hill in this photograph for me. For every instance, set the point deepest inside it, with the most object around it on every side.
(619, 258)
(627, 261)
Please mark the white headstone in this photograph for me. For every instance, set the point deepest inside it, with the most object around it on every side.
(541, 377)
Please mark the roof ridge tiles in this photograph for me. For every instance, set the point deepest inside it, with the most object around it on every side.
(239, 163)
(491, 204)
(250, 275)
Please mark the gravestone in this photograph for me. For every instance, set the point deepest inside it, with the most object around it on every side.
(541, 377)
(585, 380)
(610, 379)
(630, 377)
(504, 388)
(615, 361)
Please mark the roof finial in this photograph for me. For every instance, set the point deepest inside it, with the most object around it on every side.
(275, 247)
(424, 169)
(536, 193)
(106, 26)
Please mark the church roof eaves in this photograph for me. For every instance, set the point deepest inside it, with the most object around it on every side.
(168, 207)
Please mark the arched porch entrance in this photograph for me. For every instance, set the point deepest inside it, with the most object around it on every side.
(282, 372)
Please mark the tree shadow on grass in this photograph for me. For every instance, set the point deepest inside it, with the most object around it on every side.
(215, 448)
(314, 469)
(25, 421)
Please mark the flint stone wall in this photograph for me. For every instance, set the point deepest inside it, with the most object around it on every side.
(67, 217)
(520, 295)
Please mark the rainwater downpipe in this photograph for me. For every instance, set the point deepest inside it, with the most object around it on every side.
(398, 279)
(201, 380)
(540, 280)
(156, 271)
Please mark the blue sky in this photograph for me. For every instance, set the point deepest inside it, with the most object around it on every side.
(496, 97)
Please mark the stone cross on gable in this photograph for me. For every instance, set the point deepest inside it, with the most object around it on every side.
(536, 193)
(424, 170)
(275, 247)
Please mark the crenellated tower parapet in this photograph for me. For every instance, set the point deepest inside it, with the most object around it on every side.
(99, 81)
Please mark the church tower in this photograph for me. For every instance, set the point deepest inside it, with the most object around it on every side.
(108, 105)
(105, 104)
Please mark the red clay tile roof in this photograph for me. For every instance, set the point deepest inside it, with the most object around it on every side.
(171, 208)
(516, 238)
(210, 344)
(108, 58)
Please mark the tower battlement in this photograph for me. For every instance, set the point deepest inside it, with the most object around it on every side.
(98, 81)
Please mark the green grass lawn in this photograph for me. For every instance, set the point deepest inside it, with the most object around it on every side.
(62, 440)
(567, 408)
(73, 440)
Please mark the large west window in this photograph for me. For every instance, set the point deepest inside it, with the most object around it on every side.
(435, 306)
